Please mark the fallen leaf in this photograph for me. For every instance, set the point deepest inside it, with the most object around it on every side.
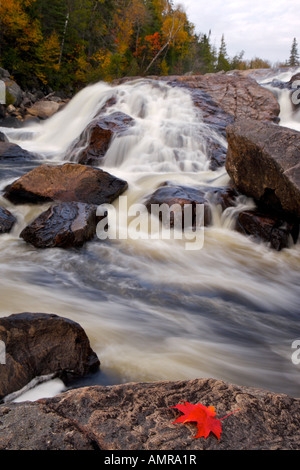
(203, 416)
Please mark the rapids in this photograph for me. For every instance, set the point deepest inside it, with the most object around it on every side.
(152, 309)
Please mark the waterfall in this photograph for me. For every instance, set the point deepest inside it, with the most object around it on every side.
(153, 310)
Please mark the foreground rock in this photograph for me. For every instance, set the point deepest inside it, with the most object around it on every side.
(7, 220)
(39, 344)
(263, 161)
(65, 183)
(138, 417)
(97, 137)
(63, 225)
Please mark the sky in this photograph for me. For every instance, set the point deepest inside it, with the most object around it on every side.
(264, 29)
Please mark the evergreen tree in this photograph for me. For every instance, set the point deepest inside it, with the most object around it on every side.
(294, 56)
(223, 61)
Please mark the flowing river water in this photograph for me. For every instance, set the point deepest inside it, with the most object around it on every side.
(152, 309)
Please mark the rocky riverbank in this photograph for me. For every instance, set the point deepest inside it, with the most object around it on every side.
(262, 160)
(133, 416)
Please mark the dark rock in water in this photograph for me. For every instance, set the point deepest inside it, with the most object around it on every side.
(7, 220)
(63, 226)
(138, 416)
(263, 161)
(98, 135)
(12, 151)
(66, 183)
(291, 83)
(273, 230)
(38, 344)
(181, 196)
(3, 137)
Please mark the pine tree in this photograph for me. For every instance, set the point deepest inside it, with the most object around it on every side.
(294, 56)
(223, 62)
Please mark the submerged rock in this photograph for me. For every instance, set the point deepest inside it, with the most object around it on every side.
(39, 344)
(271, 229)
(65, 183)
(180, 196)
(63, 225)
(138, 416)
(7, 220)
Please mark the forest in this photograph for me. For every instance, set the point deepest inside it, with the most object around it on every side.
(66, 44)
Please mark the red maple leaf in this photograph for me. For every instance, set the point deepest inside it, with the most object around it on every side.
(203, 416)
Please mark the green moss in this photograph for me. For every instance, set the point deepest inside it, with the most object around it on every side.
(10, 99)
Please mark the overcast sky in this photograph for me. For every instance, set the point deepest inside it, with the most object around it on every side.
(263, 29)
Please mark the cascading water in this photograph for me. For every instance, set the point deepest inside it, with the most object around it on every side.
(152, 309)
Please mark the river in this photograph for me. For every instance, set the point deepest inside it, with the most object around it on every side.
(152, 309)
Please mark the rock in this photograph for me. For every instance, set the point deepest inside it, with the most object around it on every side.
(181, 196)
(14, 91)
(7, 220)
(42, 429)
(39, 344)
(4, 74)
(64, 225)
(263, 161)
(237, 95)
(10, 151)
(66, 183)
(44, 109)
(97, 137)
(273, 230)
(138, 416)
(3, 137)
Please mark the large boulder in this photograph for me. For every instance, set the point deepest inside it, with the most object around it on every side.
(63, 225)
(38, 344)
(263, 161)
(97, 137)
(66, 183)
(238, 95)
(138, 416)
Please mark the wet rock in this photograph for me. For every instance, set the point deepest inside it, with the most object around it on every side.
(263, 161)
(238, 95)
(180, 196)
(7, 220)
(66, 183)
(10, 151)
(278, 233)
(63, 226)
(3, 137)
(138, 416)
(40, 344)
(97, 137)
